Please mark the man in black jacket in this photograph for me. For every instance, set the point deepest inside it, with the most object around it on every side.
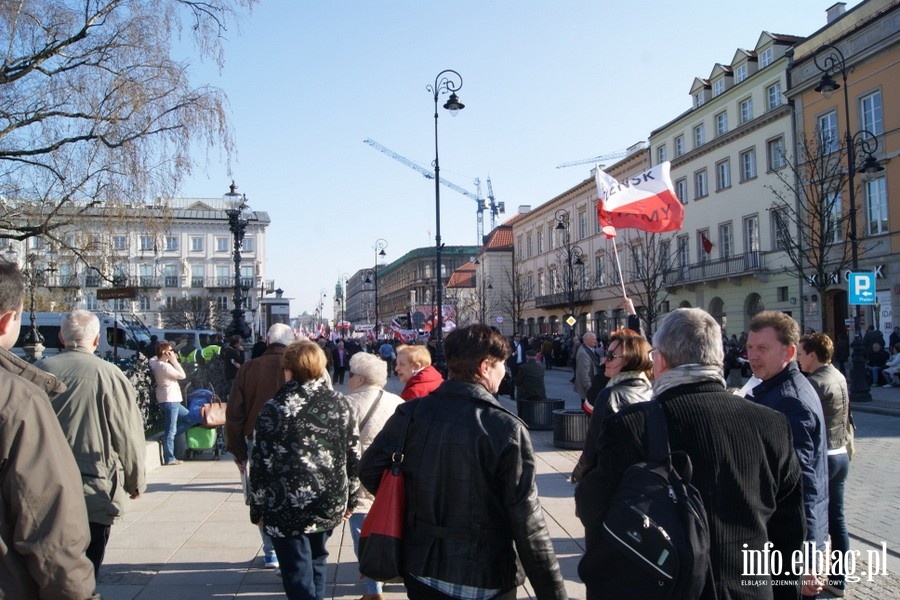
(472, 512)
(743, 466)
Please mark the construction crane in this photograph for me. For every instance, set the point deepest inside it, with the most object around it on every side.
(480, 205)
(596, 159)
(497, 208)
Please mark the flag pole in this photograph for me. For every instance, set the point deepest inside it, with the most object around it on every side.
(619, 269)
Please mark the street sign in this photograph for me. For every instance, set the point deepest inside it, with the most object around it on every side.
(861, 288)
(499, 319)
(116, 293)
(570, 321)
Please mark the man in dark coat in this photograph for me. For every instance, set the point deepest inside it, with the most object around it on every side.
(743, 465)
(771, 349)
(530, 379)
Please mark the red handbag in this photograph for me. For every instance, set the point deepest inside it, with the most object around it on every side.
(381, 535)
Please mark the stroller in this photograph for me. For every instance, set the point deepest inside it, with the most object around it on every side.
(199, 438)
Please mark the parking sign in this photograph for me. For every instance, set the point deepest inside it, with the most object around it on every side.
(861, 288)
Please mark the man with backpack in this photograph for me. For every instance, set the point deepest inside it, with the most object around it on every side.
(745, 477)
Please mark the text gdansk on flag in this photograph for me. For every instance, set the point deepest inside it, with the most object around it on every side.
(645, 201)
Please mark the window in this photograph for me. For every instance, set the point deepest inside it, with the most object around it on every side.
(198, 272)
(699, 135)
(870, 113)
(827, 130)
(780, 230)
(145, 273)
(90, 301)
(718, 87)
(582, 225)
(222, 302)
(723, 174)
(170, 276)
(702, 239)
(550, 237)
(120, 242)
(247, 275)
(835, 218)
(540, 240)
(146, 242)
(775, 154)
(529, 287)
(746, 106)
(528, 249)
(698, 99)
(748, 164)
(782, 293)
(540, 285)
(681, 190)
(518, 247)
(773, 96)
(196, 244)
(171, 243)
(876, 206)
(740, 73)
(247, 245)
(751, 241)
(701, 187)
(679, 145)
(144, 302)
(766, 57)
(223, 276)
(661, 154)
(683, 258)
(600, 270)
(223, 244)
(726, 241)
(721, 123)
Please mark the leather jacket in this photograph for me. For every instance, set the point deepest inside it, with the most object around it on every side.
(471, 501)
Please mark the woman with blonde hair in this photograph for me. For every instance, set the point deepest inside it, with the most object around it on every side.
(415, 372)
(167, 371)
(303, 467)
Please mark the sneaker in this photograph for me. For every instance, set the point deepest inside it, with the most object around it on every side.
(173, 463)
(271, 562)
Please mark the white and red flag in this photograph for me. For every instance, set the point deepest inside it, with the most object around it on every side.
(645, 201)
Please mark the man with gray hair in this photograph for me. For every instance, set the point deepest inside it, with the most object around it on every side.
(743, 467)
(586, 363)
(102, 422)
(43, 525)
(255, 384)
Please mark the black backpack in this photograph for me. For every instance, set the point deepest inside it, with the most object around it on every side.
(654, 539)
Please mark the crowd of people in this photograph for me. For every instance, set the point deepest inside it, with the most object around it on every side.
(769, 459)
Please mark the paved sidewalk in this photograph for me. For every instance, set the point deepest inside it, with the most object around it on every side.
(189, 536)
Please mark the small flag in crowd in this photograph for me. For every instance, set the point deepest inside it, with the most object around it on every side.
(645, 201)
(707, 245)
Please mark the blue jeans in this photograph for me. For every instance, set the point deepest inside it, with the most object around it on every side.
(370, 586)
(175, 422)
(838, 469)
(303, 568)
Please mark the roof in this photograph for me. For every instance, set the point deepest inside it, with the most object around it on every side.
(501, 238)
(463, 277)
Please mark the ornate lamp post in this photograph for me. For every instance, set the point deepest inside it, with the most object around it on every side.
(238, 212)
(450, 81)
(34, 272)
(830, 60)
(487, 286)
(574, 257)
(372, 277)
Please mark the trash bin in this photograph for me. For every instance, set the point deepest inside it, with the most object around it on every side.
(538, 414)
(570, 428)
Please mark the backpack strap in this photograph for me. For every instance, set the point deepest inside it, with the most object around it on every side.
(657, 432)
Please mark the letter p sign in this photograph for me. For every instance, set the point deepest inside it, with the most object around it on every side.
(862, 288)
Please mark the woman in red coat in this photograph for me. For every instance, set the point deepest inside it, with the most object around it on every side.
(415, 371)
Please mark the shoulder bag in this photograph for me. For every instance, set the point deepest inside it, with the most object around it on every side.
(381, 536)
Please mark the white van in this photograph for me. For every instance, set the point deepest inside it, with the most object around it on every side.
(118, 336)
(200, 337)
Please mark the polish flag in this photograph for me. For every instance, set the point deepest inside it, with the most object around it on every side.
(645, 201)
(707, 244)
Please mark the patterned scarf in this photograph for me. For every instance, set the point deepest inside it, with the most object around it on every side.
(692, 373)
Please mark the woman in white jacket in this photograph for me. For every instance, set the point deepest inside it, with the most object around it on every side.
(168, 372)
(372, 407)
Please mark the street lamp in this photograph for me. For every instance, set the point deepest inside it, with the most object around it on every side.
(446, 81)
(574, 257)
(379, 247)
(829, 59)
(238, 212)
(33, 342)
(343, 325)
(487, 285)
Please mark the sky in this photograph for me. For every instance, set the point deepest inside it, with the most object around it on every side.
(544, 82)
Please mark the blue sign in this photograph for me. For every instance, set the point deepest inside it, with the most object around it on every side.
(861, 288)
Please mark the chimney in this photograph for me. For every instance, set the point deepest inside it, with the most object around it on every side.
(524, 209)
(835, 12)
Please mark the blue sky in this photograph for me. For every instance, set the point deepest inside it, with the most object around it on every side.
(544, 82)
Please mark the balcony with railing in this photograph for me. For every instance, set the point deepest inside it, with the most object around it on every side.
(561, 299)
(724, 268)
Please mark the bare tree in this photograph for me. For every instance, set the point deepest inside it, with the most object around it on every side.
(95, 110)
(652, 265)
(808, 214)
(517, 291)
(193, 312)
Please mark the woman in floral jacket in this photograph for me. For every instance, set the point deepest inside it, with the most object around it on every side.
(303, 479)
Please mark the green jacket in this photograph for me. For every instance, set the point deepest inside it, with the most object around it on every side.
(100, 417)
